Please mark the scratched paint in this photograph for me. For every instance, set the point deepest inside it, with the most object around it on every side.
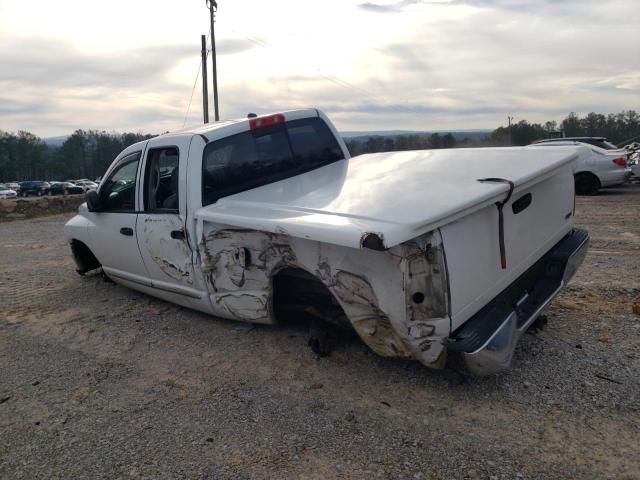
(171, 257)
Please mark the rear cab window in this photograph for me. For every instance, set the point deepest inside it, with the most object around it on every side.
(161, 180)
(268, 154)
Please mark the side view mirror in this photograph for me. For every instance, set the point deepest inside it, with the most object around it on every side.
(93, 201)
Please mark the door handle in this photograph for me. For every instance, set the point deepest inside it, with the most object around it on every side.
(127, 231)
(177, 234)
(521, 204)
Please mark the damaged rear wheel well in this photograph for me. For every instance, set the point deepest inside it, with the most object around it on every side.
(299, 295)
(84, 257)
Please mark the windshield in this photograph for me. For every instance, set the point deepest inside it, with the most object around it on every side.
(258, 157)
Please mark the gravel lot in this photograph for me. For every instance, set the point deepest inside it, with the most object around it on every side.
(97, 381)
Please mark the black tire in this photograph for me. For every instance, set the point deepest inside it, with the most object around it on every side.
(587, 184)
(84, 258)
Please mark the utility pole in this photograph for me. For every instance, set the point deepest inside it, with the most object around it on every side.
(205, 87)
(213, 7)
(510, 118)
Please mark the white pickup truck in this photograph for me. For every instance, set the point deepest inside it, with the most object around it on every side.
(421, 252)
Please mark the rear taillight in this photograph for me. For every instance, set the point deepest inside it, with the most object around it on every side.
(621, 162)
(259, 122)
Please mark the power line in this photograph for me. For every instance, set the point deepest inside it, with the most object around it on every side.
(260, 42)
(195, 83)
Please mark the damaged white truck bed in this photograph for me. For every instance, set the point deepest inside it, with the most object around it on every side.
(421, 252)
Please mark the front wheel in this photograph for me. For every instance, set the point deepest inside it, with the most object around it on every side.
(587, 184)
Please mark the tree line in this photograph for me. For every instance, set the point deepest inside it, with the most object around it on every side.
(619, 128)
(396, 143)
(84, 154)
(88, 153)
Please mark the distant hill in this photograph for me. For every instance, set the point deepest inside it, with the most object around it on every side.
(55, 141)
(473, 133)
(379, 133)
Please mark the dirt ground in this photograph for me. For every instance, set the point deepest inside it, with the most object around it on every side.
(97, 381)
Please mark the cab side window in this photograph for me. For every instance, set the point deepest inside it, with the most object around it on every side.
(118, 191)
(161, 180)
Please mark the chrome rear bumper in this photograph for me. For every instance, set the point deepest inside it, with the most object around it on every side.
(488, 339)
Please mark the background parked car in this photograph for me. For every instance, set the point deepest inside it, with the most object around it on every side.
(15, 186)
(604, 168)
(65, 188)
(35, 187)
(601, 142)
(87, 184)
(6, 192)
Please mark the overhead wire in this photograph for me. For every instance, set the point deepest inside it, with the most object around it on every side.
(262, 43)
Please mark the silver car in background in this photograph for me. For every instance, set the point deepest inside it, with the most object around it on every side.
(604, 168)
(6, 192)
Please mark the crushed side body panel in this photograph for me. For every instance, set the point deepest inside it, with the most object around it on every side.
(239, 267)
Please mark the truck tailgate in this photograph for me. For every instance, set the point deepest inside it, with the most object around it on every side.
(536, 216)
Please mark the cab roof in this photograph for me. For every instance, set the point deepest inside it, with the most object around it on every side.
(221, 128)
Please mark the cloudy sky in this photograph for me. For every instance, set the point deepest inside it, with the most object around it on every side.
(371, 65)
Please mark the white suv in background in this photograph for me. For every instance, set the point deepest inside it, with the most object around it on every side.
(603, 168)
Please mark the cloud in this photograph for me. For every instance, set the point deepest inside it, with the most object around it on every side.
(415, 109)
(629, 81)
(397, 6)
(71, 70)
(52, 82)
(10, 106)
(516, 5)
(456, 64)
(60, 64)
(230, 46)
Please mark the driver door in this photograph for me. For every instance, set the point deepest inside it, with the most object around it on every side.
(113, 231)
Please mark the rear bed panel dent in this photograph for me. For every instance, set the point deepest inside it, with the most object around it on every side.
(239, 266)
